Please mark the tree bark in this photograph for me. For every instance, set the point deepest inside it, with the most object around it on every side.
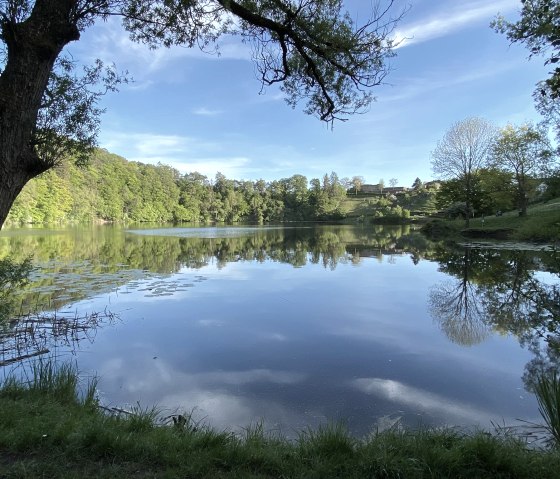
(33, 47)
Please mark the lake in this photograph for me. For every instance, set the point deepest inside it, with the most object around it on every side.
(293, 326)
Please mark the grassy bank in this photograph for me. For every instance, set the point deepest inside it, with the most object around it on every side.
(542, 224)
(46, 430)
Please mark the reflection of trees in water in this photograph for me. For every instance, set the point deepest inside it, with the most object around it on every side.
(36, 335)
(511, 292)
(456, 304)
(76, 263)
(456, 307)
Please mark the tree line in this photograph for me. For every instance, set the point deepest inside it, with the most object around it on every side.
(109, 188)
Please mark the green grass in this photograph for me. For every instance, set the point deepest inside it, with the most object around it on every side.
(547, 390)
(49, 430)
(542, 224)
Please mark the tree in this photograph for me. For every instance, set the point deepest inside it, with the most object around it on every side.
(539, 29)
(357, 182)
(312, 48)
(524, 151)
(456, 304)
(491, 191)
(417, 184)
(461, 153)
(393, 182)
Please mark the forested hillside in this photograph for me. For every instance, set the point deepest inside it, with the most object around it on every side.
(111, 188)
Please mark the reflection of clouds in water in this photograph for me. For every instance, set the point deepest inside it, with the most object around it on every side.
(421, 400)
(211, 396)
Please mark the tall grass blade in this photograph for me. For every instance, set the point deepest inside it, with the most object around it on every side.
(547, 390)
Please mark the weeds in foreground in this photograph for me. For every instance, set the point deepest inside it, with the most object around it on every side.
(43, 417)
(547, 390)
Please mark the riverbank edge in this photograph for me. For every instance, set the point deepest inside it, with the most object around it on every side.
(438, 230)
(48, 429)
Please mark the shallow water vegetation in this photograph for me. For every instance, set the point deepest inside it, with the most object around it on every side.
(48, 428)
(13, 275)
(547, 390)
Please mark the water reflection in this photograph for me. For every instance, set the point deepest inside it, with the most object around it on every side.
(508, 292)
(302, 325)
(40, 334)
(76, 263)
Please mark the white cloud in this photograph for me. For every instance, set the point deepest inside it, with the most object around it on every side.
(111, 43)
(154, 145)
(203, 111)
(450, 20)
(422, 400)
(185, 154)
(229, 166)
(210, 393)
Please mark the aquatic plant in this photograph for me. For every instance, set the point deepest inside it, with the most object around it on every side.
(547, 390)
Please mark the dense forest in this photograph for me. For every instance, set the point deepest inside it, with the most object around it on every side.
(111, 188)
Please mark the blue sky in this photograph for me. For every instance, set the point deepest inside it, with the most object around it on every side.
(201, 112)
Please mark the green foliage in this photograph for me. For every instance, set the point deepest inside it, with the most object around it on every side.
(13, 276)
(112, 189)
(524, 152)
(547, 390)
(69, 119)
(314, 49)
(491, 190)
(539, 29)
(552, 186)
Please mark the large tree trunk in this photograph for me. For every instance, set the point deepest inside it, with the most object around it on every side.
(468, 201)
(33, 47)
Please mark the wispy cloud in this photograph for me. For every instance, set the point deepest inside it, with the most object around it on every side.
(447, 78)
(183, 153)
(148, 144)
(203, 111)
(111, 43)
(450, 20)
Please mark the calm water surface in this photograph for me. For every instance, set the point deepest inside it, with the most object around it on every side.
(298, 326)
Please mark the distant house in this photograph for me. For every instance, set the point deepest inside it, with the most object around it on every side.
(432, 185)
(375, 189)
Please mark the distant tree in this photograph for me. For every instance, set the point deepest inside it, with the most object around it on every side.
(312, 49)
(357, 182)
(417, 184)
(461, 153)
(393, 182)
(346, 183)
(381, 185)
(525, 152)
